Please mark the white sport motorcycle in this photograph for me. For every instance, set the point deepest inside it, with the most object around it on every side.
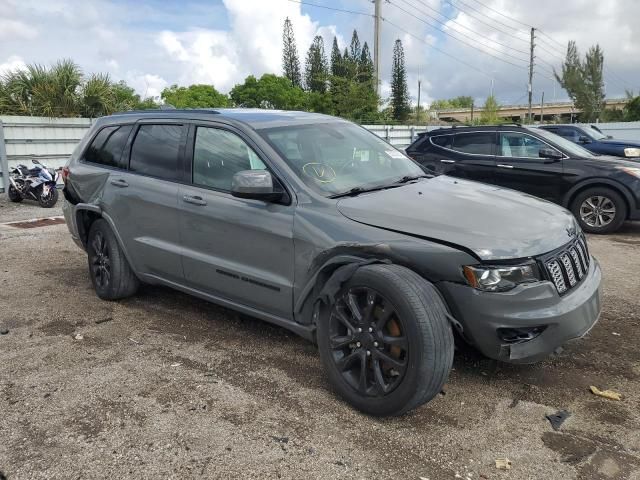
(37, 183)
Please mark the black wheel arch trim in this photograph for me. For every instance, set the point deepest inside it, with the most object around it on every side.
(83, 235)
(601, 182)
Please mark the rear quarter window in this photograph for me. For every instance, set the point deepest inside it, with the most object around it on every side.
(444, 141)
(107, 146)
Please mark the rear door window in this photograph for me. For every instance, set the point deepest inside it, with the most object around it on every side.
(156, 151)
(477, 143)
(106, 148)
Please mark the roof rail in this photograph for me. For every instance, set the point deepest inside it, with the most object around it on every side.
(167, 110)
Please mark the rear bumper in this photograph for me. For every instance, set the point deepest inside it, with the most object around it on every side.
(564, 318)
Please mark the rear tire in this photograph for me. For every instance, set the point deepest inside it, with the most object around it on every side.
(599, 210)
(109, 270)
(14, 195)
(50, 200)
(400, 338)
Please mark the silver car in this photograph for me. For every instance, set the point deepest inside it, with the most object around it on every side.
(315, 224)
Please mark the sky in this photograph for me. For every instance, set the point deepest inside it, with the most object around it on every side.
(454, 47)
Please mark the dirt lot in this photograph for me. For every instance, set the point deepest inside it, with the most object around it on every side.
(166, 386)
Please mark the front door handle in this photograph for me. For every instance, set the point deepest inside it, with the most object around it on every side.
(447, 161)
(119, 182)
(194, 199)
(502, 165)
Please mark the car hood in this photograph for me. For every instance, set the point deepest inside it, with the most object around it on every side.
(616, 142)
(493, 223)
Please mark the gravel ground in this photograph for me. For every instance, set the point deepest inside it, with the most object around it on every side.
(163, 385)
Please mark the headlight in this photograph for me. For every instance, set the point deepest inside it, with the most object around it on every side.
(632, 152)
(631, 171)
(500, 278)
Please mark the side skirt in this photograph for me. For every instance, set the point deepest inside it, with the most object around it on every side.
(305, 331)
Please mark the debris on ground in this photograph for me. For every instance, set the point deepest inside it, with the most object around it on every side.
(503, 464)
(103, 320)
(610, 394)
(558, 418)
(176, 364)
(4, 330)
(280, 439)
(78, 336)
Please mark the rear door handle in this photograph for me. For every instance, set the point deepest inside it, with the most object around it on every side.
(447, 161)
(194, 199)
(502, 165)
(119, 182)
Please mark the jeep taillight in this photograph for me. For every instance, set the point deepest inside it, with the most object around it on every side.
(65, 174)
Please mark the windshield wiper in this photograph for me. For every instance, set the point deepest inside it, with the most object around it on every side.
(408, 178)
(358, 190)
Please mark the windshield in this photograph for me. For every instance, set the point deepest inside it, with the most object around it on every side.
(567, 146)
(594, 134)
(336, 157)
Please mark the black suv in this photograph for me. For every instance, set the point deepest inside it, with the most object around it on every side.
(591, 138)
(602, 192)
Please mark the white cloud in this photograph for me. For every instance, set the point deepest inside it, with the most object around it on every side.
(16, 29)
(147, 85)
(11, 64)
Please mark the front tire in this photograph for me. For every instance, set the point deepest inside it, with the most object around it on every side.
(599, 210)
(14, 195)
(48, 200)
(386, 344)
(110, 272)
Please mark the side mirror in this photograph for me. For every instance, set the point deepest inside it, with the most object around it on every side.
(254, 184)
(35, 161)
(584, 139)
(550, 153)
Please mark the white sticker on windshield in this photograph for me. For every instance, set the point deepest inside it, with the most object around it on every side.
(394, 154)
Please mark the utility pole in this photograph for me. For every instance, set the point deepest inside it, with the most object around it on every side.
(542, 109)
(533, 34)
(418, 107)
(376, 44)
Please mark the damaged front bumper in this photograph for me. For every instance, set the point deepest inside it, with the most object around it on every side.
(528, 323)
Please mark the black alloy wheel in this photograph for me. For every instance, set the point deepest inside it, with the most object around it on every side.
(367, 341)
(100, 261)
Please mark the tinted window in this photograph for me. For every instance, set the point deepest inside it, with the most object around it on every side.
(514, 144)
(480, 143)
(444, 141)
(218, 155)
(155, 151)
(569, 133)
(106, 148)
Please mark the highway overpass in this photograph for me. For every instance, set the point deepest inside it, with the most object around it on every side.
(518, 113)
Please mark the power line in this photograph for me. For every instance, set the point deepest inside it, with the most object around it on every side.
(461, 41)
(452, 20)
(332, 8)
(503, 15)
(471, 7)
(420, 39)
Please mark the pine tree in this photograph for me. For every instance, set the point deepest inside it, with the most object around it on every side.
(290, 60)
(316, 69)
(337, 67)
(354, 48)
(399, 88)
(365, 66)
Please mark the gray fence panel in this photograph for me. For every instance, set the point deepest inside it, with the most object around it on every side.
(4, 164)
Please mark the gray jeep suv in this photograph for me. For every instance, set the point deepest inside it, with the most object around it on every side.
(315, 224)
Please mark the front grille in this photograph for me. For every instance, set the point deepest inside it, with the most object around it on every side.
(569, 265)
